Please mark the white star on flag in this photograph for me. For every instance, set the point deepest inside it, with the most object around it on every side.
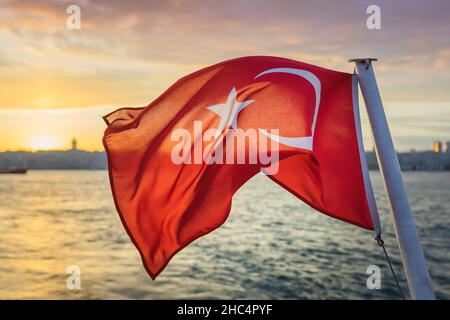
(229, 111)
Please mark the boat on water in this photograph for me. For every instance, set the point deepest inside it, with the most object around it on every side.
(14, 170)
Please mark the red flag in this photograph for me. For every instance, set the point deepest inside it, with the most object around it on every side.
(175, 165)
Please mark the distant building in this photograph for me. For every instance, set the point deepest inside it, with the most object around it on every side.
(447, 147)
(437, 147)
(74, 144)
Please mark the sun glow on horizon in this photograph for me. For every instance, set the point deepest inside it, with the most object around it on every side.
(47, 129)
(45, 141)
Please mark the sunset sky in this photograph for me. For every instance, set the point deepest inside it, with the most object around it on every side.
(56, 83)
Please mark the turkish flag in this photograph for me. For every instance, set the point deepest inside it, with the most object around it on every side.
(174, 168)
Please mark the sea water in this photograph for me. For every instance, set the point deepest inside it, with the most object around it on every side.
(272, 246)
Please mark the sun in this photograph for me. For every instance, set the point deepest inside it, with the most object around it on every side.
(44, 142)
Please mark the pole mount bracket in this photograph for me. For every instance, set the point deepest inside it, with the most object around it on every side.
(367, 61)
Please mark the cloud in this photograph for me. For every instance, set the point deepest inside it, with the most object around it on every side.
(128, 52)
(204, 32)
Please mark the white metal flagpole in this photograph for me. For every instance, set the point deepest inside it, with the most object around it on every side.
(414, 263)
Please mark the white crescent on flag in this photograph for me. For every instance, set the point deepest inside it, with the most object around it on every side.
(297, 142)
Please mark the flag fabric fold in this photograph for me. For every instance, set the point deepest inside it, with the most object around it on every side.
(175, 164)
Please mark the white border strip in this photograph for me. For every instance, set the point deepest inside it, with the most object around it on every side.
(362, 155)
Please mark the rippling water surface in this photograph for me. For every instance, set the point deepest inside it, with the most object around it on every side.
(272, 246)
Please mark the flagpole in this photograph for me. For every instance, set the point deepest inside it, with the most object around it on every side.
(413, 259)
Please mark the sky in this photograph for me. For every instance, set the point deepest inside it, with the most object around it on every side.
(56, 82)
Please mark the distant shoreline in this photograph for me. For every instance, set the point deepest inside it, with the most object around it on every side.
(75, 159)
